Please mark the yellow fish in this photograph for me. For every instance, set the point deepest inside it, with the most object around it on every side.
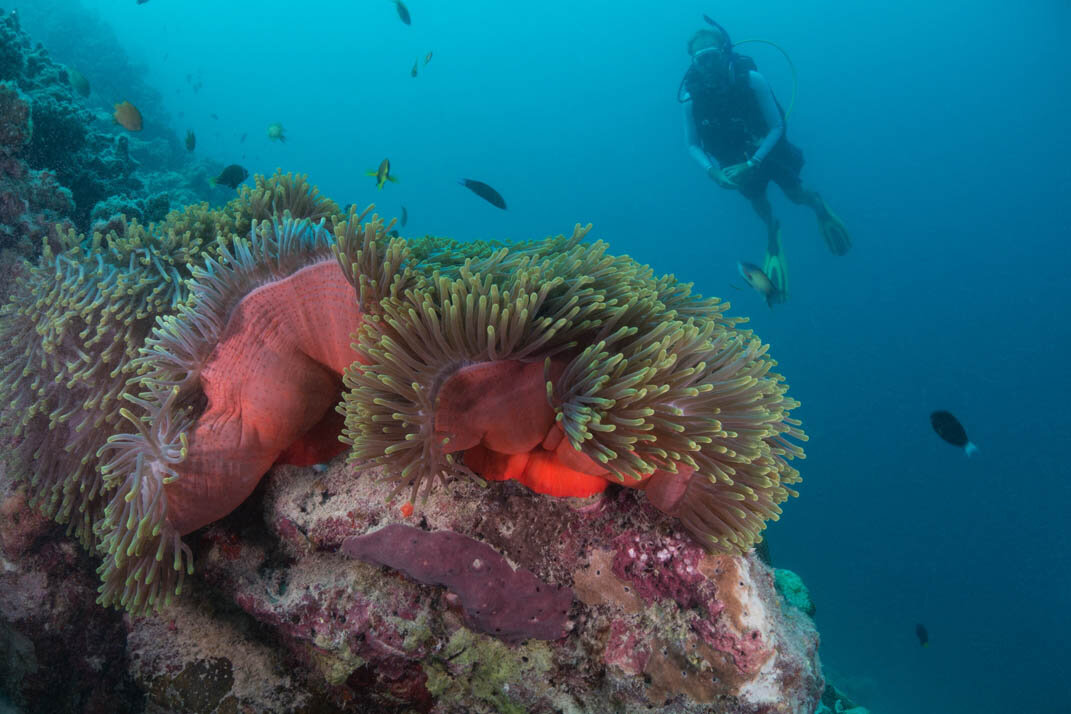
(382, 174)
(127, 116)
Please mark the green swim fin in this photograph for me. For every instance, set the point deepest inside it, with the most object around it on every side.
(776, 269)
(833, 231)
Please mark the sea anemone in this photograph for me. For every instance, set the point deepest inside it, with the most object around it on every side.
(278, 195)
(556, 363)
(156, 375)
(245, 374)
(195, 229)
(68, 338)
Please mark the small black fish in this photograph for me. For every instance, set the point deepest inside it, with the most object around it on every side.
(924, 637)
(142, 2)
(214, 116)
(405, 217)
(948, 428)
(413, 72)
(230, 176)
(485, 192)
(403, 11)
(191, 140)
(242, 140)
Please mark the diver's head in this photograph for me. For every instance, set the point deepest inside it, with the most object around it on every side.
(705, 39)
(711, 53)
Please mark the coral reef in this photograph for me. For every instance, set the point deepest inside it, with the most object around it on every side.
(156, 376)
(78, 37)
(31, 201)
(835, 701)
(288, 623)
(549, 362)
(59, 161)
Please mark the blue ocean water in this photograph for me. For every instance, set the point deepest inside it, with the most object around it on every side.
(936, 130)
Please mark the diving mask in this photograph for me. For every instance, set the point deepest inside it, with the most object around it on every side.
(710, 62)
(709, 59)
(712, 66)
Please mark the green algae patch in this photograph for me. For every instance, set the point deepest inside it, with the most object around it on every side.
(417, 632)
(335, 666)
(477, 668)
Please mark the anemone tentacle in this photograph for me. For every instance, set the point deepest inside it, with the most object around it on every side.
(277, 195)
(140, 523)
(643, 377)
(68, 338)
(127, 356)
(460, 317)
(145, 559)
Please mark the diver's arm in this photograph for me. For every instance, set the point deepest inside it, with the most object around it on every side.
(691, 135)
(770, 114)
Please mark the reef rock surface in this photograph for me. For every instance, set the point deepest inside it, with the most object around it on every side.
(318, 595)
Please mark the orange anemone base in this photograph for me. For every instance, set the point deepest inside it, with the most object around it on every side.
(498, 414)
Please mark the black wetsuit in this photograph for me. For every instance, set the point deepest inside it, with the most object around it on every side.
(730, 126)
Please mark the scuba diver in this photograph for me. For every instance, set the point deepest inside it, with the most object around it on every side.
(731, 117)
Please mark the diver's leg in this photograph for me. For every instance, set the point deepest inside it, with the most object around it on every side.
(829, 223)
(803, 196)
(774, 265)
(764, 209)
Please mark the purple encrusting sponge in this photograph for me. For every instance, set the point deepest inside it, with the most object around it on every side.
(510, 604)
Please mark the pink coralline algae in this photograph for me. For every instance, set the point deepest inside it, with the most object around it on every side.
(510, 604)
(625, 649)
(669, 569)
(660, 570)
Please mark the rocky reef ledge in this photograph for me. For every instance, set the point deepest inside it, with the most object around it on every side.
(318, 595)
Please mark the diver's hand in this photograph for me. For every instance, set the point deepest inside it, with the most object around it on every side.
(737, 173)
(719, 177)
